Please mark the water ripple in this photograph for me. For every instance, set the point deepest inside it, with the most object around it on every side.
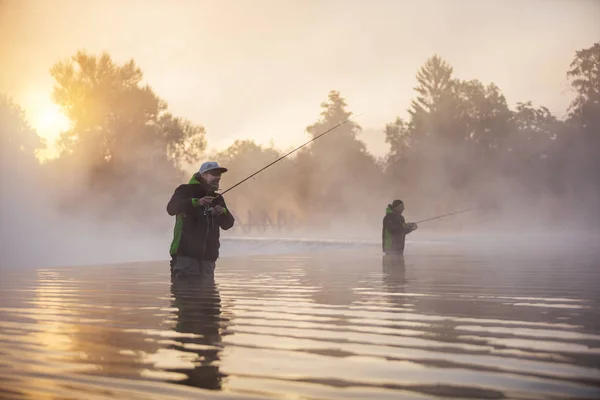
(329, 326)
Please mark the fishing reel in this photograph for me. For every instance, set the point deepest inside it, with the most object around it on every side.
(209, 211)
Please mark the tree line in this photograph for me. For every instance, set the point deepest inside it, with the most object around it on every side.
(460, 144)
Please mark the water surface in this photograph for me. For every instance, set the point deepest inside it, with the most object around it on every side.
(343, 324)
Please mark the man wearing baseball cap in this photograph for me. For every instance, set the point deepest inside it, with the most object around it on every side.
(395, 228)
(200, 216)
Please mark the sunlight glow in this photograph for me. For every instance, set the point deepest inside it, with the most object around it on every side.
(48, 121)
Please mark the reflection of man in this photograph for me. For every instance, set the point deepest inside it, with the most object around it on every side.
(198, 312)
(395, 228)
(200, 215)
(393, 265)
(394, 278)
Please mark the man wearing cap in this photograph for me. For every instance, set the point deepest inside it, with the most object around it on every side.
(200, 216)
(395, 229)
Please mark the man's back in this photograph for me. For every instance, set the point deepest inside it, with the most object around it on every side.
(393, 233)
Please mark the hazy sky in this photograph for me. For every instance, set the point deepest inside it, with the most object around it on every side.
(259, 69)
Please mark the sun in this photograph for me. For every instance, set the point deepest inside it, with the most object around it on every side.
(49, 122)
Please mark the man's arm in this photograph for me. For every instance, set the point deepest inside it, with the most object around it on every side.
(397, 225)
(181, 202)
(409, 227)
(226, 219)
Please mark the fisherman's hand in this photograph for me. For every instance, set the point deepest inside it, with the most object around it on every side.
(206, 201)
(218, 210)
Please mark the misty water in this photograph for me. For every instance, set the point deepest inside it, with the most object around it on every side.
(312, 320)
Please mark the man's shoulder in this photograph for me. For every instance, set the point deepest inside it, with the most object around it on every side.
(393, 217)
(389, 217)
(184, 186)
(189, 188)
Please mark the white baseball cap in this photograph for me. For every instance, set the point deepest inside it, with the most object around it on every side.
(211, 166)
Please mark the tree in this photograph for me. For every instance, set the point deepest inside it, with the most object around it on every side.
(19, 167)
(398, 137)
(531, 151)
(433, 111)
(584, 112)
(426, 146)
(585, 79)
(439, 129)
(462, 140)
(458, 134)
(21, 183)
(435, 84)
(334, 113)
(18, 141)
(483, 114)
(122, 135)
(582, 143)
(337, 169)
(534, 135)
(268, 193)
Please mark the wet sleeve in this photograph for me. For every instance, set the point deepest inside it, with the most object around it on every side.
(181, 202)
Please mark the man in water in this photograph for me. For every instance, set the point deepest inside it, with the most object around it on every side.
(200, 216)
(395, 229)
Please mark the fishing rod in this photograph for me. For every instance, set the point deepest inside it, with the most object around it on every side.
(446, 215)
(285, 155)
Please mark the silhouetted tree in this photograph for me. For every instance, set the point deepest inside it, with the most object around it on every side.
(267, 192)
(337, 169)
(397, 162)
(585, 79)
(460, 141)
(435, 86)
(21, 183)
(122, 135)
(18, 141)
(461, 134)
(582, 140)
(451, 122)
(532, 152)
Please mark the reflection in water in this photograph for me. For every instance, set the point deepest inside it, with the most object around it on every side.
(320, 326)
(198, 311)
(394, 279)
(394, 271)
